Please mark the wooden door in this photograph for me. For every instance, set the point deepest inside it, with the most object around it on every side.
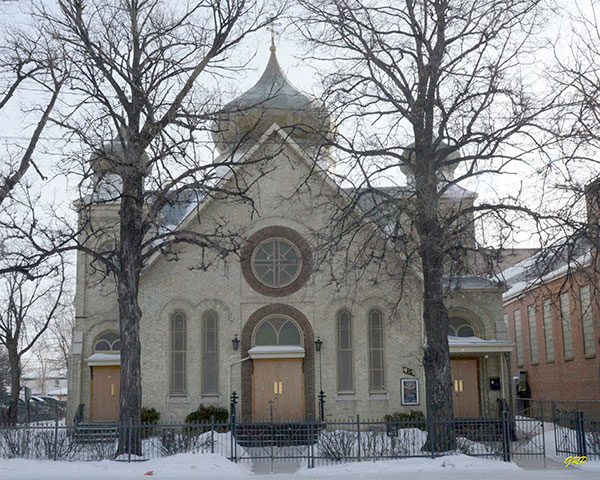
(106, 386)
(278, 385)
(465, 386)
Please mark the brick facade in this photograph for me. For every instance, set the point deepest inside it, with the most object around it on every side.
(565, 377)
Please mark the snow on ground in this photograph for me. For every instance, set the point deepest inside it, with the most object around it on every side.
(413, 465)
(183, 466)
(190, 466)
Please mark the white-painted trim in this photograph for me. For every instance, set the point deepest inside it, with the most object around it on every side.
(276, 352)
(481, 348)
(103, 359)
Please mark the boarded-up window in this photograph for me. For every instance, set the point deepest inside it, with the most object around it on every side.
(376, 368)
(533, 342)
(210, 354)
(344, 348)
(565, 315)
(518, 336)
(548, 336)
(587, 320)
(178, 354)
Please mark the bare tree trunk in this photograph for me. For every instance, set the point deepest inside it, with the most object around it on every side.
(15, 382)
(131, 234)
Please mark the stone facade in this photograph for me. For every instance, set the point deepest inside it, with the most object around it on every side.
(292, 199)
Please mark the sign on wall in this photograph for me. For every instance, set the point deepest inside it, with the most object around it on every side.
(410, 391)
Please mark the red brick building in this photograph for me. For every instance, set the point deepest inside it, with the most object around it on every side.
(554, 326)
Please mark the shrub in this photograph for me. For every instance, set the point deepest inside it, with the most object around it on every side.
(150, 416)
(204, 415)
(414, 415)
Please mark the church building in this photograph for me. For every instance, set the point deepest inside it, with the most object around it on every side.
(270, 324)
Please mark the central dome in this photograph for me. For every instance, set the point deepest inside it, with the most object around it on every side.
(273, 99)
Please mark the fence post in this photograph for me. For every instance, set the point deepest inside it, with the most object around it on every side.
(129, 423)
(580, 434)
(506, 435)
(55, 439)
(358, 432)
(212, 434)
(431, 435)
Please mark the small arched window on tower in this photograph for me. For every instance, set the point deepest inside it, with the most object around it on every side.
(108, 342)
(210, 353)
(344, 352)
(459, 327)
(178, 354)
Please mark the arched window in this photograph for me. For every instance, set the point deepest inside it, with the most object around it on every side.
(178, 354)
(108, 342)
(210, 352)
(277, 331)
(459, 327)
(376, 367)
(344, 352)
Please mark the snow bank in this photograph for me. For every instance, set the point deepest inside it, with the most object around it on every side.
(184, 466)
(454, 463)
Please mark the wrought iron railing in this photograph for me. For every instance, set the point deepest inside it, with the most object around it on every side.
(313, 442)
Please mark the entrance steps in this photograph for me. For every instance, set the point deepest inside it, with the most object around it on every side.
(94, 432)
(283, 434)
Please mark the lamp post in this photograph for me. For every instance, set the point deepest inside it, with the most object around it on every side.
(318, 345)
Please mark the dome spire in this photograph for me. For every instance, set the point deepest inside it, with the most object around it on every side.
(272, 99)
(271, 28)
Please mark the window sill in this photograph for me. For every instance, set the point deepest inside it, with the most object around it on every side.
(345, 396)
(533, 364)
(178, 398)
(589, 355)
(570, 359)
(549, 361)
(382, 395)
(210, 398)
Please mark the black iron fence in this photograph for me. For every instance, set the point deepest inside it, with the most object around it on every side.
(574, 433)
(312, 442)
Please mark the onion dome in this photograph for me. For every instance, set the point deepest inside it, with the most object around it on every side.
(273, 99)
(445, 172)
(109, 159)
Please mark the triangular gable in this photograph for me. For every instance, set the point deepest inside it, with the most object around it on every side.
(313, 166)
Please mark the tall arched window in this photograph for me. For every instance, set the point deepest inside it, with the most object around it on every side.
(178, 354)
(210, 352)
(376, 367)
(344, 352)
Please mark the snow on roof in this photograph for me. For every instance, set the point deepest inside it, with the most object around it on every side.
(548, 264)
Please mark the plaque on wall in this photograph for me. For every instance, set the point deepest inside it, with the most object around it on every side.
(410, 391)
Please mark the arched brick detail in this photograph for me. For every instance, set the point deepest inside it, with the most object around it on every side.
(309, 356)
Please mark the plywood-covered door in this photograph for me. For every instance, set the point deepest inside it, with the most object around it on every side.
(106, 382)
(277, 386)
(465, 386)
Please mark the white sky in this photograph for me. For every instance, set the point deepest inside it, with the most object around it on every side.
(14, 124)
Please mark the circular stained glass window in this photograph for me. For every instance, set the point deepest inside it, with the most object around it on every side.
(276, 262)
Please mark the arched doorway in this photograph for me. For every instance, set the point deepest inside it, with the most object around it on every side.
(278, 381)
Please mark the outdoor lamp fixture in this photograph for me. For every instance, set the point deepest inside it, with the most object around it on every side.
(318, 344)
(236, 342)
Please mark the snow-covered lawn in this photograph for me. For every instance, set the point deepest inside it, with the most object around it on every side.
(189, 466)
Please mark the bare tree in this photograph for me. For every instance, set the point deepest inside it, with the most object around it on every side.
(4, 371)
(429, 87)
(146, 73)
(27, 63)
(29, 306)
